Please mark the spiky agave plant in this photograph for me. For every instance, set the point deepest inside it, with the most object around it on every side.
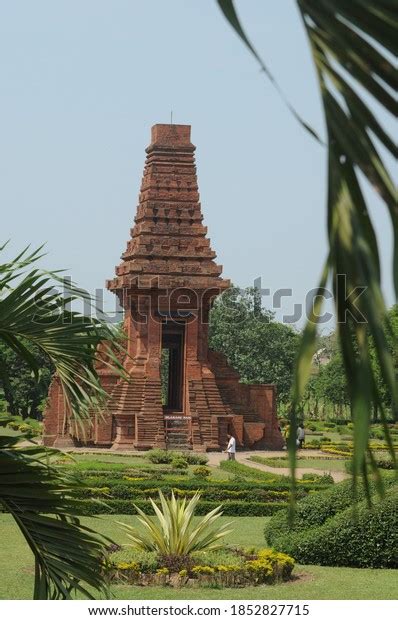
(173, 532)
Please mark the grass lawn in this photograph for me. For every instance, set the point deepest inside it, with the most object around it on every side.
(98, 462)
(312, 463)
(316, 582)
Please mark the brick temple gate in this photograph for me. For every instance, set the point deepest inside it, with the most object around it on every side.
(180, 393)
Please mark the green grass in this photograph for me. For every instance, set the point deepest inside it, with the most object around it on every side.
(129, 460)
(316, 582)
(240, 469)
(98, 462)
(312, 463)
(219, 474)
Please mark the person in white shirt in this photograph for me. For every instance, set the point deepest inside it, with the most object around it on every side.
(231, 448)
(300, 435)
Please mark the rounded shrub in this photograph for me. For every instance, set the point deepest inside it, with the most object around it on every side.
(201, 471)
(314, 509)
(323, 478)
(313, 443)
(328, 531)
(195, 459)
(162, 457)
(385, 463)
(178, 462)
(367, 537)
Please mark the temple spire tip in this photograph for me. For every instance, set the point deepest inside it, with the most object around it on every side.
(171, 135)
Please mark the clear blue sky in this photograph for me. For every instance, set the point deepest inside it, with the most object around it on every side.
(81, 83)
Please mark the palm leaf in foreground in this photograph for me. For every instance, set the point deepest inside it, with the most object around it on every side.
(33, 311)
(68, 556)
(353, 43)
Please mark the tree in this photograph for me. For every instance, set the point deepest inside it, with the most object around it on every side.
(386, 397)
(23, 392)
(68, 556)
(331, 384)
(259, 348)
(328, 384)
(352, 43)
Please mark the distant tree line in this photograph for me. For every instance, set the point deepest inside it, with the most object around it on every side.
(264, 351)
(327, 392)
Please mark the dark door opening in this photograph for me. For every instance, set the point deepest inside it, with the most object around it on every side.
(172, 366)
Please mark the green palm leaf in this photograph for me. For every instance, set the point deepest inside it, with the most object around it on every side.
(68, 556)
(32, 311)
(352, 43)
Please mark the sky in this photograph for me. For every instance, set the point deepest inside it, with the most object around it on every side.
(83, 81)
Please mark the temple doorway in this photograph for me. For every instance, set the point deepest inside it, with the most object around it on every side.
(172, 366)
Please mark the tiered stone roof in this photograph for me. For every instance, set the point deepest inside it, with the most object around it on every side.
(168, 246)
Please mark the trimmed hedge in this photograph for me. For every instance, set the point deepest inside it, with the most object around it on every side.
(122, 472)
(204, 485)
(124, 491)
(364, 538)
(115, 492)
(382, 463)
(328, 531)
(315, 509)
(166, 457)
(230, 508)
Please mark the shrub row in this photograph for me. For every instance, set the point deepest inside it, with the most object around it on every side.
(204, 486)
(381, 463)
(167, 457)
(124, 491)
(25, 427)
(135, 474)
(89, 507)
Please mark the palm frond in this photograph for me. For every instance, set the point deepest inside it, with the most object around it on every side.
(33, 311)
(352, 44)
(68, 556)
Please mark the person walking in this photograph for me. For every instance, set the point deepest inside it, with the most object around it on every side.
(231, 447)
(300, 435)
(286, 434)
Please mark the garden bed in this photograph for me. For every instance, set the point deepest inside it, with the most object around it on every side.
(230, 569)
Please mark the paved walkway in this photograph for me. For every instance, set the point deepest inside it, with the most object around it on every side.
(244, 458)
